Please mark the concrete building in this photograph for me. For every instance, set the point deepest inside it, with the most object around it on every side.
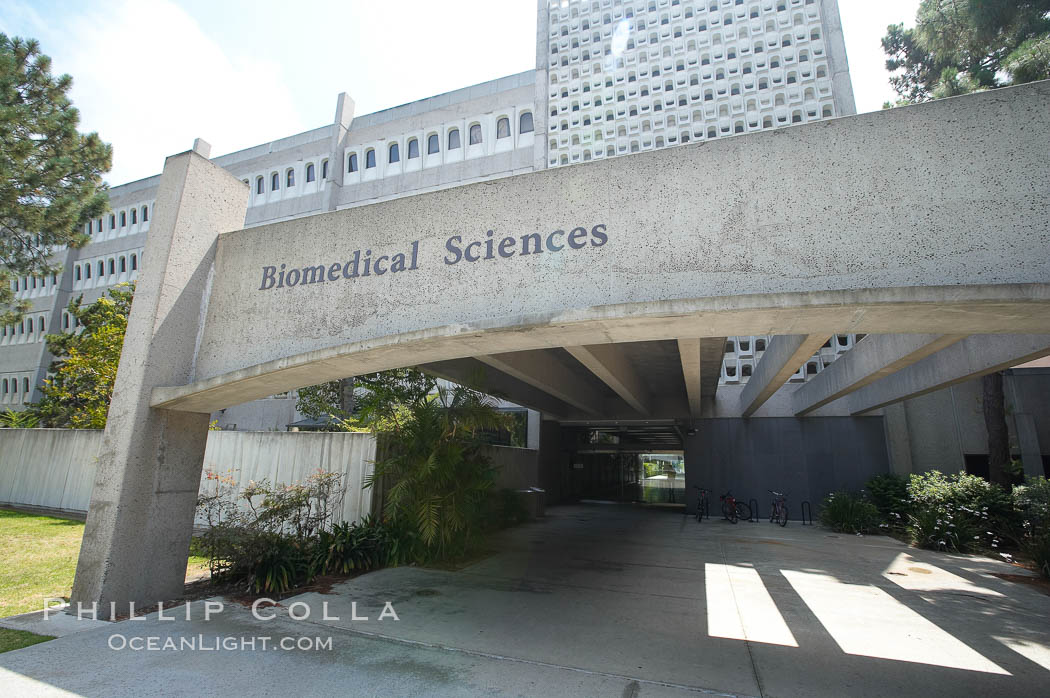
(611, 77)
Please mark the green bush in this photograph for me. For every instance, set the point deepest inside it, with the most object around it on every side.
(273, 538)
(889, 493)
(969, 493)
(958, 512)
(945, 526)
(848, 513)
(359, 547)
(1032, 503)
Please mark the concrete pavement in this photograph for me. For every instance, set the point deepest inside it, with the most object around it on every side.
(609, 600)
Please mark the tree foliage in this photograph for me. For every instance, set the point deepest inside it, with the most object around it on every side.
(50, 173)
(80, 384)
(438, 478)
(963, 46)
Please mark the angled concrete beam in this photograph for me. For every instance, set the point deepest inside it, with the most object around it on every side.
(611, 365)
(689, 351)
(783, 356)
(541, 370)
(493, 382)
(970, 358)
(874, 357)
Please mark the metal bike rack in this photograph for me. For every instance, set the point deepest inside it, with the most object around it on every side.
(752, 504)
(807, 508)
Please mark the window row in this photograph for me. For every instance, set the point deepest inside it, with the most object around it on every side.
(103, 268)
(586, 149)
(622, 10)
(31, 283)
(27, 329)
(9, 389)
(312, 173)
(119, 219)
(453, 141)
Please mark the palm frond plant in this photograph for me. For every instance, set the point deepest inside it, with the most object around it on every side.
(438, 474)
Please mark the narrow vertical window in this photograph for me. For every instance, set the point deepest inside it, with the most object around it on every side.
(394, 154)
(351, 165)
(453, 139)
(145, 213)
(413, 149)
(134, 262)
(134, 216)
(311, 175)
(324, 169)
(123, 218)
(370, 158)
(289, 178)
(503, 128)
(433, 145)
(275, 182)
(474, 137)
(259, 187)
(525, 122)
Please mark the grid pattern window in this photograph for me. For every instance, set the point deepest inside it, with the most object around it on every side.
(632, 75)
(743, 354)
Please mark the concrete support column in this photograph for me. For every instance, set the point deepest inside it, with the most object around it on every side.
(140, 519)
(898, 438)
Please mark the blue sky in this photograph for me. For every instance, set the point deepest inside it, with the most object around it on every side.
(152, 75)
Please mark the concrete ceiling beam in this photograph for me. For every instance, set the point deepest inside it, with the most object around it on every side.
(543, 371)
(689, 351)
(473, 373)
(783, 356)
(970, 358)
(873, 358)
(612, 367)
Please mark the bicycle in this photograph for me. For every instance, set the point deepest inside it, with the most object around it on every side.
(732, 509)
(702, 508)
(779, 510)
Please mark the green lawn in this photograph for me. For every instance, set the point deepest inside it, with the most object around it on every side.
(39, 557)
(17, 639)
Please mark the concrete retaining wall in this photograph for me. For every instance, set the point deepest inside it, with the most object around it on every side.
(804, 458)
(55, 468)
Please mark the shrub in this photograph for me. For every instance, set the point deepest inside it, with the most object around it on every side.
(889, 494)
(359, 547)
(945, 526)
(264, 535)
(958, 512)
(1032, 503)
(848, 513)
(970, 493)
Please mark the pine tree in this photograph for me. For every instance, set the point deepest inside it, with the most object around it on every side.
(50, 173)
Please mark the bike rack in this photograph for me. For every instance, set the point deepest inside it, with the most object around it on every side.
(807, 508)
(752, 504)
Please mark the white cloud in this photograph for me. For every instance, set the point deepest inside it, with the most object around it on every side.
(149, 80)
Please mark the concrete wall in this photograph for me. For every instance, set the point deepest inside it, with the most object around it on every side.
(52, 468)
(55, 468)
(518, 467)
(944, 426)
(742, 222)
(804, 458)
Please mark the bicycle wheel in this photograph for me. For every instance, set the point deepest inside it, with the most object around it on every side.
(743, 511)
(783, 518)
(773, 513)
(699, 510)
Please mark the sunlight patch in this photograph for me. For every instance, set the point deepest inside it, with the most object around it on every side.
(866, 621)
(740, 608)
